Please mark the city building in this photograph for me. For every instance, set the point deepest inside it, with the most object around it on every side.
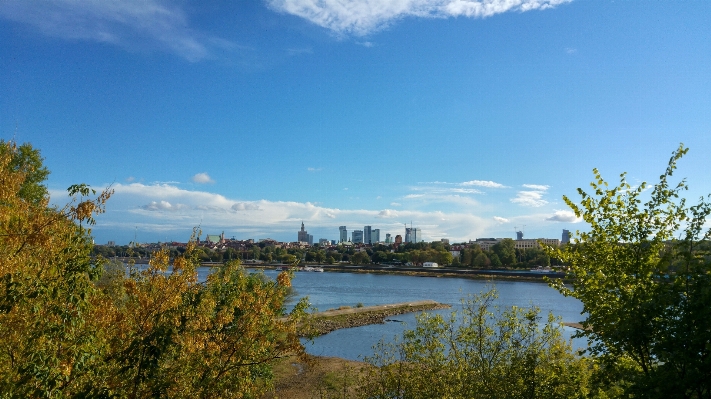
(413, 234)
(343, 234)
(357, 237)
(367, 235)
(398, 239)
(375, 236)
(388, 238)
(303, 235)
(323, 242)
(566, 237)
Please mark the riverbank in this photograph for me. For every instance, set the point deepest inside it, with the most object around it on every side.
(348, 317)
(474, 274)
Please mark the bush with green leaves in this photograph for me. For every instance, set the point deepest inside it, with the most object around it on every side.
(643, 274)
(479, 352)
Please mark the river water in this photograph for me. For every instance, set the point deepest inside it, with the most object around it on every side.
(332, 290)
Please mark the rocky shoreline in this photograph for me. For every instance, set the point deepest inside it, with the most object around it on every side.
(324, 322)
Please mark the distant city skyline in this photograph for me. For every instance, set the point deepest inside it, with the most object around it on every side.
(466, 118)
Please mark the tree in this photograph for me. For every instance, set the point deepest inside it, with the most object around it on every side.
(28, 161)
(506, 251)
(360, 258)
(482, 352)
(444, 257)
(72, 326)
(646, 294)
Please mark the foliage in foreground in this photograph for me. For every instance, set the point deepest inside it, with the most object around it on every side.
(481, 352)
(643, 274)
(66, 332)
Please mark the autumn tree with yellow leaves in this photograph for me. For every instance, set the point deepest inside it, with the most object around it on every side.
(69, 332)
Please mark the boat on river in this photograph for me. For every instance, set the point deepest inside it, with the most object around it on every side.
(541, 269)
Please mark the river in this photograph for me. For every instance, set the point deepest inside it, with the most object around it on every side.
(332, 290)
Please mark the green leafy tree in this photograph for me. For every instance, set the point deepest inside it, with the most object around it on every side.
(506, 251)
(444, 257)
(481, 352)
(28, 161)
(360, 258)
(643, 274)
(482, 261)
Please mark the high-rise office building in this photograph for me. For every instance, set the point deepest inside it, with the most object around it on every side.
(388, 238)
(413, 234)
(375, 236)
(367, 237)
(566, 237)
(357, 236)
(343, 233)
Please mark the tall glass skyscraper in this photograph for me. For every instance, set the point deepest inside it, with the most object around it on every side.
(367, 236)
(343, 233)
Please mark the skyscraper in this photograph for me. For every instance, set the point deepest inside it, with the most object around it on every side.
(357, 236)
(375, 236)
(367, 237)
(303, 234)
(343, 233)
(416, 234)
(566, 237)
(413, 234)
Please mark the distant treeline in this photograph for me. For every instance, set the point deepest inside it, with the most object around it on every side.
(503, 254)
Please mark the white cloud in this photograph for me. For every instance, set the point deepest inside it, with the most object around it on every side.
(163, 206)
(395, 204)
(127, 23)
(564, 216)
(245, 206)
(387, 213)
(130, 179)
(202, 178)
(529, 198)
(313, 169)
(483, 183)
(500, 219)
(361, 17)
(465, 191)
(169, 210)
(537, 187)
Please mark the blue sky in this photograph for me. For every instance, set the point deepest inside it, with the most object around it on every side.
(466, 118)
